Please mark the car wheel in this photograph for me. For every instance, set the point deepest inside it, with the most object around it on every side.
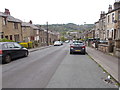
(26, 54)
(7, 59)
(84, 53)
(71, 52)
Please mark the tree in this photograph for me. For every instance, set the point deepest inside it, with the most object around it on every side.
(62, 38)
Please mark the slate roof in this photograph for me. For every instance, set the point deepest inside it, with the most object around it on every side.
(12, 19)
(2, 14)
(25, 24)
(9, 17)
(34, 27)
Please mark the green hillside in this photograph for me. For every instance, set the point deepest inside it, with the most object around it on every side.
(71, 27)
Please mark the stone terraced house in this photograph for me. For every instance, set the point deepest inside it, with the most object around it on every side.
(10, 27)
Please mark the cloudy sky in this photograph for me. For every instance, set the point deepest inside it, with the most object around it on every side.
(56, 11)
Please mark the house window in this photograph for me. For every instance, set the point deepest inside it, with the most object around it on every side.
(108, 18)
(112, 34)
(107, 33)
(115, 34)
(4, 21)
(10, 37)
(6, 37)
(119, 16)
(113, 17)
(37, 32)
(16, 37)
(15, 25)
(1, 36)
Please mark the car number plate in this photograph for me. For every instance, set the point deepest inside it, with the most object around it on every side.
(77, 50)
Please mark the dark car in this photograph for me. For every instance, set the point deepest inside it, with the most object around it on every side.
(77, 47)
(10, 51)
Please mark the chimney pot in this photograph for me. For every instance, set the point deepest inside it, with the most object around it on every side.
(7, 11)
(110, 8)
(117, 4)
(30, 22)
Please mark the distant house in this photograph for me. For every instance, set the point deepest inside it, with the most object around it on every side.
(10, 26)
(2, 22)
(102, 26)
(30, 32)
(34, 32)
(42, 35)
(26, 32)
(110, 18)
(97, 35)
(108, 28)
(117, 20)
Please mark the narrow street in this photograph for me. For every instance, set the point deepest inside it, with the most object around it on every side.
(54, 67)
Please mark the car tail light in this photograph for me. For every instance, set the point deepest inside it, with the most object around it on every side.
(0, 51)
(83, 46)
(71, 46)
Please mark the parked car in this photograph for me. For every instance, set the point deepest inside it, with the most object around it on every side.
(78, 47)
(61, 42)
(57, 43)
(67, 41)
(10, 51)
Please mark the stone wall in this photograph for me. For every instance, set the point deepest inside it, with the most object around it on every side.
(103, 47)
(117, 48)
(0, 27)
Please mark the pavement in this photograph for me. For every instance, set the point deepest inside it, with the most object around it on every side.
(108, 62)
(39, 48)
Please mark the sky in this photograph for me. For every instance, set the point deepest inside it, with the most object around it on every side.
(56, 11)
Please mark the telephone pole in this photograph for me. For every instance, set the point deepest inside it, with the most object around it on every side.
(47, 35)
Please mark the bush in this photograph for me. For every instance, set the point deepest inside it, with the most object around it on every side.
(24, 44)
(82, 39)
(6, 40)
(30, 45)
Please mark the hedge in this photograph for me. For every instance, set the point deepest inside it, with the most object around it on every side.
(26, 44)
(6, 40)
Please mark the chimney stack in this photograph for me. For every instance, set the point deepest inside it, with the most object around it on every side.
(117, 0)
(117, 4)
(30, 22)
(110, 8)
(7, 11)
(102, 14)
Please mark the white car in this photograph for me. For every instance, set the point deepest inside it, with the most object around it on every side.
(57, 43)
(67, 41)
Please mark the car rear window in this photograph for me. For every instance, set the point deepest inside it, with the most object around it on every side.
(57, 41)
(77, 42)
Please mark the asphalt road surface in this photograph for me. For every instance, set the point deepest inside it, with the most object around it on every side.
(54, 67)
